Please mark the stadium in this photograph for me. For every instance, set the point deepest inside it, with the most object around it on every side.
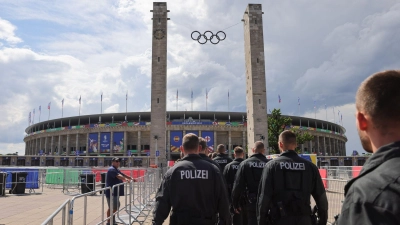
(92, 140)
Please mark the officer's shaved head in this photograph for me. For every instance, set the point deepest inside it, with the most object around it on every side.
(259, 147)
(379, 98)
(221, 148)
(288, 140)
(190, 142)
(203, 144)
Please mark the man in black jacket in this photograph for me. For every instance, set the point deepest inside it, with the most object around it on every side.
(247, 180)
(222, 159)
(374, 196)
(286, 186)
(203, 152)
(229, 174)
(194, 189)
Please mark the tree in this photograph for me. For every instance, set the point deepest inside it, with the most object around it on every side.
(276, 124)
(302, 137)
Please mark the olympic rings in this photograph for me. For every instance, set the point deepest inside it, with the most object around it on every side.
(208, 36)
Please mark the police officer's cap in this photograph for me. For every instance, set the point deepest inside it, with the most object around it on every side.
(115, 159)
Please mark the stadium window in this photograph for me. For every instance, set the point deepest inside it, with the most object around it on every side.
(257, 60)
(158, 100)
(259, 101)
(158, 59)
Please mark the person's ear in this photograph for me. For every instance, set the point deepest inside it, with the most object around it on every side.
(362, 121)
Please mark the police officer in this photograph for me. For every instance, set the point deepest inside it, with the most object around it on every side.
(203, 152)
(229, 174)
(194, 189)
(247, 180)
(222, 159)
(374, 196)
(286, 186)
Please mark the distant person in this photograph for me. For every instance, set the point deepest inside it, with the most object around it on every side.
(114, 176)
(229, 174)
(194, 189)
(246, 183)
(286, 186)
(214, 154)
(222, 159)
(374, 196)
(204, 151)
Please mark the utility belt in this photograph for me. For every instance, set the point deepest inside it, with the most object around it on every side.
(251, 197)
(186, 218)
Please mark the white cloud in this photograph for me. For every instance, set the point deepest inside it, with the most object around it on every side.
(7, 32)
(112, 109)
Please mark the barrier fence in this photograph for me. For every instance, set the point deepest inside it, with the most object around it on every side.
(136, 203)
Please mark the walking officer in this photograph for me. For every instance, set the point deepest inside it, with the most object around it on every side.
(247, 180)
(286, 187)
(195, 190)
(203, 152)
(229, 174)
(222, 159)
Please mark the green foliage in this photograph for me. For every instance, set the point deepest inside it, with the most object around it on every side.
(276, 124)
(302, 137)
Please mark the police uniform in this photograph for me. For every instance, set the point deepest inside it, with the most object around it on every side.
(205, 157)
(196, 192)
(222, 160)
(246, 183)
(374, 196)
(285, 189)
(229, 175)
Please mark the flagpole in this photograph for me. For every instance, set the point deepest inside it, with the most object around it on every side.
(176, 99)
(126, 102)
(80, 99)
(206, 98)
(228, 101)
(326, 113)
(334, 118)
(192, 99)
(101, 103)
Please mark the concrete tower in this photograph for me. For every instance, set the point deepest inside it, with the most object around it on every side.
(256, 92)
(159, 81)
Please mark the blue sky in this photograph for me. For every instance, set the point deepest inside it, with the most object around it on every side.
(316, 50)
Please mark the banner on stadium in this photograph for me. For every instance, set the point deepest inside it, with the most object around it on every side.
(209, 137)
(105, 142)
(175, 140)
(196, 132)
(118, 145)
(93, 146)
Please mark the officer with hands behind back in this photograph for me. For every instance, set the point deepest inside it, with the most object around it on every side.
(247, 181)
(194, 189)
(286, 186)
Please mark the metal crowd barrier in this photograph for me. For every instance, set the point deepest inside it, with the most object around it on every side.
(18, 179)
(136, 204)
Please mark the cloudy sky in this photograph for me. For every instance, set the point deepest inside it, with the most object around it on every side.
(314, 50)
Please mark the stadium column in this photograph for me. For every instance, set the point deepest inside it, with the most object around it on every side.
(52, 145)
(159, 80)
(229, 143)
(45, 145)
(68, 150)
(87, 144)
(59, 145)
(139, 143)
(40, 143)
(319, 147)
(77, 142)
(324, 149)
(126, 143)
(215, 141)
(112, 143)
(36, 146)
(256, 94)
(169, 144)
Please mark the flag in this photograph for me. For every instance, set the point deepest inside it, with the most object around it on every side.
(298, 100)
(176, 94)
(101, 96)
(325, 106)
(80, 99)
(40, 108)
(279, 99)
(314, 104)
(192, 94)
(62, 102)
(206, 93)
(48, 106)
(126, 95)
(341, 117)
(33, 116)
(228, 93)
